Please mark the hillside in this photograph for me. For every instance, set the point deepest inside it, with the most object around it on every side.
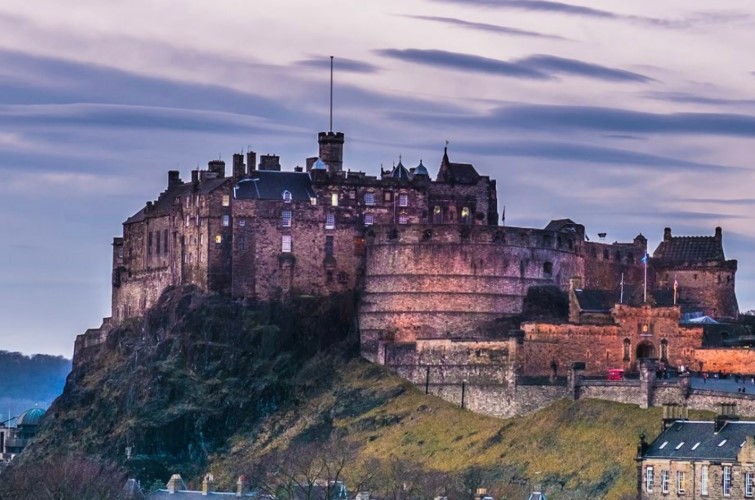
(27, 381)
(203, 383)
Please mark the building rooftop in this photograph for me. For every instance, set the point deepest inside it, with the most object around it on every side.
(271, 184)
(689, 248)
(693, 440)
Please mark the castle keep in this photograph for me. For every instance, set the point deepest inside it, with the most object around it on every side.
(439, 276)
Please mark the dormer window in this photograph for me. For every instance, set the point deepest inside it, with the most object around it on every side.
(286, 196)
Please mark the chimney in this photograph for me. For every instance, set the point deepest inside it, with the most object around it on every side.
(719, 234)
(575, 283)
(270, 162)
(238, 165)
(727, 412)
(331, 149)
(208, 484)
(667, 234)
(673, 412)
(298, 169)
(174, 177)
(176, 483)
(240, 486)
(480, 493)
(194, 176)
(251, 162)
(217, 167)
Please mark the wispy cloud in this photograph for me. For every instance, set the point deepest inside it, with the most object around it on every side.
(339, 64)
(556, 119)
(492, 28)
(537, 67)
(694, 20)
(686, 98)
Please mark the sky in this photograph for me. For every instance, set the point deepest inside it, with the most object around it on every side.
(625, 116)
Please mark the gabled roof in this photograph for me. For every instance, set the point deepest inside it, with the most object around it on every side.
(596, 300)
(270, 185)
(459, 173)
(685, 440)
(164, 203)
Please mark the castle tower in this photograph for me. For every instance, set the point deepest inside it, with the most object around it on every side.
(331, 149)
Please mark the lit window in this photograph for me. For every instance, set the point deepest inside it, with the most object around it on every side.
(403, 200)
(437, 214)
(286, 218)
(286, 243)
(403, 219)
(465, 215)
(286, 196)
(330, 221)
(334, 199)
(387, 196)
(649, 479)
(226, 220)
(188, 201)
(369, 219)
(226, 200)
(187, 221)
(726, 486)
(664, 481)
(680, 482)
(704, 480)
(313, 200)
(369, 199)
(749, 479)
(218, 238)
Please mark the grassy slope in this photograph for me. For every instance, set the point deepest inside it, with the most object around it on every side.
(583, 447)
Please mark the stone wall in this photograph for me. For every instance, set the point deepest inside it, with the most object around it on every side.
(728, 360)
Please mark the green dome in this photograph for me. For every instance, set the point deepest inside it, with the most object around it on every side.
(30, 417)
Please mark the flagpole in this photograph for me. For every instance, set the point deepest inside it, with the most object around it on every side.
(621, 296)
(645, 291)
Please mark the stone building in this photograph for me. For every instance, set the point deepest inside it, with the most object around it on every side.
(699, 460)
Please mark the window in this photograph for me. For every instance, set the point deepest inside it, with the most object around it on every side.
(218, 238)
(226, 200)
(369, 199)
(149, 243)
(726, 487)
(157, 242)
(680, 482)
(749, 478)
(329, 246)
(187, 221)
(403, 219)
(547, 269)
(387, 196)
(242, 222)
(369, 219)
(627, 344)
(334, 199)
(352, 195)
(703, 479)
(649, 479)
(226, 220)
(165, 240)
(465, 219)
(330, 221)
(437, 215)
(403, 200)
(286, 216)
(286, 196)
(358, 246)
(664, 481)
(286, 243)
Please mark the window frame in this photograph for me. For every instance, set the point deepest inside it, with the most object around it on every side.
(403, 219)
(680, 489)
(286, 243)
(649, 478)
(704, 480)
(226, 200)
(403, 200)
(226, 220)
(334, 199)
(369, 199)
(287, 218)
(726, 481)
(330, 221)
(665, 480)
(369, 219)
(749, 484)
(286, 195)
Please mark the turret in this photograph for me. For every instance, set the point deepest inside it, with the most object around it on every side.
(331, 149)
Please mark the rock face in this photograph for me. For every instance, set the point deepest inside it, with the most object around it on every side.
(166, 391)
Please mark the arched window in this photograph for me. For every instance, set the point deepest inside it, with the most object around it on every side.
(437, 215)
(664, 350)
(627, 344)
(465, 219)
(286, 196)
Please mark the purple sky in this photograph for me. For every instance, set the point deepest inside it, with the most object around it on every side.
(624, 116)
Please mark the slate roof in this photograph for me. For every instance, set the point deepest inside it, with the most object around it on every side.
(690, 249)
(270, 185)
(400, 172)
(596, 300)
(463, 173)
(604, 300)
(690, 440)
(562, 225)
(195, 495)
(167, 199)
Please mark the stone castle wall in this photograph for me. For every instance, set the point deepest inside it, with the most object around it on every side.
(727, 360)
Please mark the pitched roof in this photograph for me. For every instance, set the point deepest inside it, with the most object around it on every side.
(685, 440)
(596, 300)
(459, 173)
(270, 185)
(690, 249)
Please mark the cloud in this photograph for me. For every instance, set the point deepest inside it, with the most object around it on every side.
(339, 64)
(554, 118)
(686, 98)
(466, 62)
(694, 20)
(538, 66)
(583, 153)
(742, 202)
(492, 28)
(561, 65)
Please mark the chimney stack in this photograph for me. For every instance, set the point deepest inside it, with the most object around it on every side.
(240, 486)
(176, 483)
(270, 162)
(238, 165)
(667, 234)
(251, 162)
(174, 178)
(208, 484)
(719, 234)
(194, 176)
(727, 413)
(331, 149)
(217, 167)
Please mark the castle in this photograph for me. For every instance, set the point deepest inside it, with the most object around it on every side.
(436, 271)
